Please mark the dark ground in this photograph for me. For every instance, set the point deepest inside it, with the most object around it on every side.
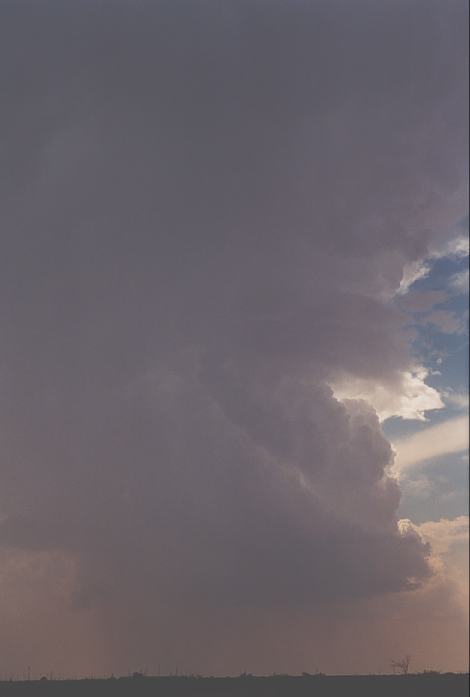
(446, 685)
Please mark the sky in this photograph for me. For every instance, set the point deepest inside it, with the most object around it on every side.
(233, 302)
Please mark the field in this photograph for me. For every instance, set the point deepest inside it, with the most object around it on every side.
(425, 685)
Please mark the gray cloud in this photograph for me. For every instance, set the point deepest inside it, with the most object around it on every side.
(207, 210)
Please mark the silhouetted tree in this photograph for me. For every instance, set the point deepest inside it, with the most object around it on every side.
(402, 666)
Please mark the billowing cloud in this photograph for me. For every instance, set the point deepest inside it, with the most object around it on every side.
(408, 396)
(209, 211)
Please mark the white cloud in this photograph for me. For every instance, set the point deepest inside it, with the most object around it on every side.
(413, 272)
(421, 268)
(442, 439)
(456, 247)
(410, 397)
(459, 282)
(456, 398)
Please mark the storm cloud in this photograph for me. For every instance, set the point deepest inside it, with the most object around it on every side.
(207, 211)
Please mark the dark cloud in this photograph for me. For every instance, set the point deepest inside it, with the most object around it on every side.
(207, 208)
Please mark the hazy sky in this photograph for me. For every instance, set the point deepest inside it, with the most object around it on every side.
(233, 302)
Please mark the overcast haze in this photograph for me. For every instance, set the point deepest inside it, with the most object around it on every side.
(215, 219)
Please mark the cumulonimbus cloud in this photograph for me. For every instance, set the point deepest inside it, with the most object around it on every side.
(209, 211)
